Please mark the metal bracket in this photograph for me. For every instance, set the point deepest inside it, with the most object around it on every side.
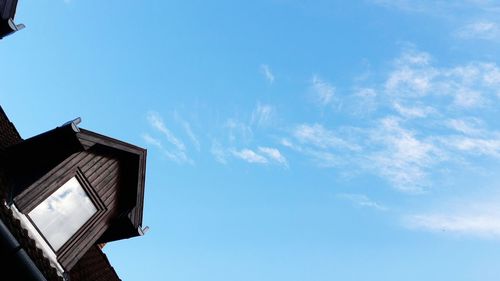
(9, 28)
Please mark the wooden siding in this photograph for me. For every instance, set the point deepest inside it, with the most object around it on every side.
(103, 172)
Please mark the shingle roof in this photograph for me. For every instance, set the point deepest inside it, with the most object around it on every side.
(8, 132)
(93, 266)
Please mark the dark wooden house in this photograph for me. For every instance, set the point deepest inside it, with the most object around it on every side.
(64, 193)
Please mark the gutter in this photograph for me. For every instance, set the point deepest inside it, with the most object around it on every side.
(21, 264)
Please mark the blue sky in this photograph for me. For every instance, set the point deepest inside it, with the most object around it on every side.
(287, 139)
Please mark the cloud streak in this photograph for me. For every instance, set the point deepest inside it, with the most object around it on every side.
(238, 131)
(476, 225)
(219, 152)
(419, 117)
(250, 156)
(263, 155)
(484, 30)
(262, 115)
(323, 91)
(474, 219)
(176, 156)
(188, 130)
(317, 135)
(485, 25)
(403, 158)
(274, 154)
(178, 153)
(268, 74)
(362, 200)
(157, 123)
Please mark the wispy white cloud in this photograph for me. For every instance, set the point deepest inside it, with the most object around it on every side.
(474, 145)
(413, 57)
(188, 130)
(485, 30)
(415, 79)
(364, 101)
(319, 136)
(407, 144)
(175, 155)
(323, 91)
(405, 151)
(476, 19)
(192, 136)
(413, 112)
(263, 155)
(476, 219)
(249, 156)
(262, 114)
(362, 200)
(467, 126)
(238, 130)
(220, 154)
(456, 12)
(287, 143)
(491, 75)
(268, 74)
(412, 76)
(467, 98)
(323, 158)
(403, 159)
(417, 126)
(240, 140)
(178, 153)
(274, 154)
(152, 141)
(475, 225)
(156, 121)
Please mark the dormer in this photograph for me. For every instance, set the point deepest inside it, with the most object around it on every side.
(72, 189)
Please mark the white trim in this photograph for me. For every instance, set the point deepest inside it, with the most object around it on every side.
(40, 242)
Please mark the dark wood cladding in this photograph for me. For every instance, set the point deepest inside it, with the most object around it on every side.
(135, 172)
(90, 267)
(102, 171)
(111, 172)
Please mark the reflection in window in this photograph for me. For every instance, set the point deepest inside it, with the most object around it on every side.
(61, 215)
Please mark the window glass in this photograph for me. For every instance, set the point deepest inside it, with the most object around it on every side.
(61, 215)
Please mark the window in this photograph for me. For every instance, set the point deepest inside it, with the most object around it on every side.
(63, 213)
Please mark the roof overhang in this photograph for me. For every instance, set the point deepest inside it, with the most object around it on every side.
(129, 221)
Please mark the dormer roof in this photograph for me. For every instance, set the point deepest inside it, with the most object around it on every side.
(40, 154)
